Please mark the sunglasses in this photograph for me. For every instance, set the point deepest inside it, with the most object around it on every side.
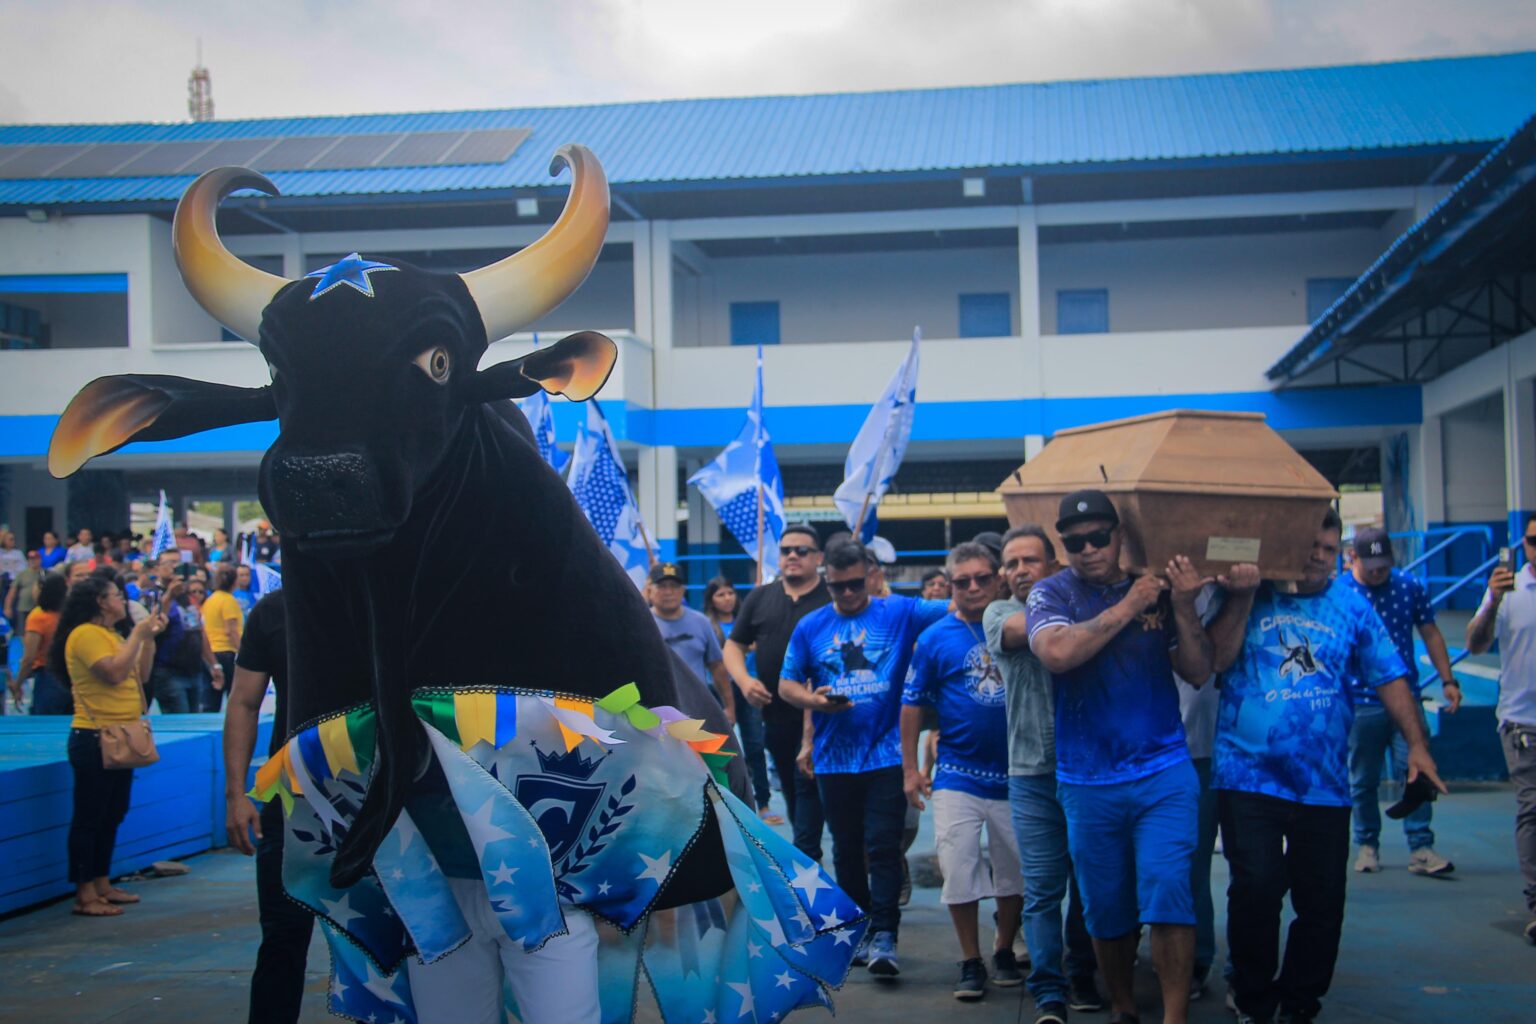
(1076, 542)
(846, 586)
(796, 549)
(981, 579)
(1531, 541)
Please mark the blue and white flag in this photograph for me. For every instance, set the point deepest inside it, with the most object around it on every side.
(601, 487)
(876, 452)
(265, 579)
(744, 487)
(541, 416)
(165, 537)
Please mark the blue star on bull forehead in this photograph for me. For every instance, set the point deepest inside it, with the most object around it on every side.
(351, 270)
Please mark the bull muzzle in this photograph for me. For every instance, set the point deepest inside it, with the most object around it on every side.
(329, 504)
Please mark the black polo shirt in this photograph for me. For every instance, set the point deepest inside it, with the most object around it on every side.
(264, 649)
(767, 618)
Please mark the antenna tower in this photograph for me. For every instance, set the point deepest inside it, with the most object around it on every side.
(200, 90)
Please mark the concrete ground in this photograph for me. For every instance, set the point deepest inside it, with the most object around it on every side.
(1415, 949)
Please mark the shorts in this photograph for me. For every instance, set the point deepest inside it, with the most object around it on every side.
(957, 823)
(1132, 844)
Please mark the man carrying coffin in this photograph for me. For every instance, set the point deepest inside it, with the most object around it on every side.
(1282, 769)
(1112, 642)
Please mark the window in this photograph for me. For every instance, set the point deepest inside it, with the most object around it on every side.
(754, 323)
(1082, 311)
(21, 327)
(1323, 292)
(986, 315)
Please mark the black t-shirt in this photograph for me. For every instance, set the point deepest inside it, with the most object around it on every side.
(767, 618)
(264, 649)
(266, 550)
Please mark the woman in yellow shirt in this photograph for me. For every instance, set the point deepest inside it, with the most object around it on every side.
(223, 622)
(105, 672)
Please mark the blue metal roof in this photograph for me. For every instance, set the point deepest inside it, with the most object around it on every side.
(1500, 183)
(1429, 103)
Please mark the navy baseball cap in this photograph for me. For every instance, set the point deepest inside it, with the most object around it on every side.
(1373, 548)
(1080, 506)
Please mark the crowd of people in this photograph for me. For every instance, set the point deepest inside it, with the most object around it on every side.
(110, 629)
(1081, 734)
(1090, 733)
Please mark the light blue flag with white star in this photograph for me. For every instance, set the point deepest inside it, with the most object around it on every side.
(360, 991)
(877, 451)
(601, 487)
(418, 890)
(165, 536)
(514, 860)
(743, 481)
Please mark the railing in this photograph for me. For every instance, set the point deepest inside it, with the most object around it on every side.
(1451, 534)
(921, 554)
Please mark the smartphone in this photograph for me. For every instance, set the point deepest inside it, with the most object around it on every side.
(839, 698)
(1507, 559)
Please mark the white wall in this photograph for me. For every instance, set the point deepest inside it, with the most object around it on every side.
(1194, 283)
(606, 301)
(1473, 461)
(844, 297)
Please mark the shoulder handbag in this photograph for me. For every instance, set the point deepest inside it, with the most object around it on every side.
(125, 744)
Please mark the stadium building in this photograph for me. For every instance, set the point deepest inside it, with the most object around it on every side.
(1347, 250)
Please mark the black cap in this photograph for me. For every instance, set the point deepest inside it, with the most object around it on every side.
(1373, 548)
(665, 571)
(992, 540)
(1080, 506)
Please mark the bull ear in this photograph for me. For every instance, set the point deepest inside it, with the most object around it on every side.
(111, 411)
(575, 366)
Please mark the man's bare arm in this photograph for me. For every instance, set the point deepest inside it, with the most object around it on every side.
(1015, 634)
(1398, 699)
(240, 726)
(1063, 648)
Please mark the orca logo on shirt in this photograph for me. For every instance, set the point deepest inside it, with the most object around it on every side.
(983, 680)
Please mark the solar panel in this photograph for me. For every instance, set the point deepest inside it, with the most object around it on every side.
(354, 151)
(420, 149)
(488, 147)
(229, 153)
(294, 154)
(99, 160)
(162, 158)
(38, 161)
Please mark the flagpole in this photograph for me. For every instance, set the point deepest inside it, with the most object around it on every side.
(761, 513)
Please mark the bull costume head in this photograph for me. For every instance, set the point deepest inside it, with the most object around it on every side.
(425, 543)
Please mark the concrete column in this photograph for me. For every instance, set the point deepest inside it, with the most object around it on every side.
(1029, 275)
(1034, 444)
(293, 257)
(658, 497)
(1426, 473)
(644, 310)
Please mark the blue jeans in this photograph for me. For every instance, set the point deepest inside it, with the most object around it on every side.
(49, 697)
(749, 726)
(1371, 738)
(866, 812)
(1200, 871)
(176, 694)
(1041, 830)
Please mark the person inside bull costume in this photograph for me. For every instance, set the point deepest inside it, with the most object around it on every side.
(472, 772)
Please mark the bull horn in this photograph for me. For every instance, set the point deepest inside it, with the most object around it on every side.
(516, 291)
(232, 291)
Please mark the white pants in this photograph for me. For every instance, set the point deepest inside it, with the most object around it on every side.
(957, 822)
(556, 985)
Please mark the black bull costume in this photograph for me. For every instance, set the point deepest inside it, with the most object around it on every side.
(469, 665)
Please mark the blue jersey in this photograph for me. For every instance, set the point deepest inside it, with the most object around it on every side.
(864, 657)
(1403, 604)
(1286, 711)
(953, 673)
(1117, 714)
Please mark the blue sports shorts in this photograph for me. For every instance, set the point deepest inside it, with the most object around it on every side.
(1132, 844)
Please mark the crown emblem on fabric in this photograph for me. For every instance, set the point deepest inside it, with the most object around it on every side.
(569, 765)
(351, 270)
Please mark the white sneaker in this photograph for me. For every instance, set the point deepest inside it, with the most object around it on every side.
(1367, 862)
(1428, 862)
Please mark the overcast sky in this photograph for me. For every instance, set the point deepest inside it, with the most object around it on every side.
(107, 60)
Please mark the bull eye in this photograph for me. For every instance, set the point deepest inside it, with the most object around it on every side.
(435, 363)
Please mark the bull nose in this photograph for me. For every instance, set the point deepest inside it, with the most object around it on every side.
(336, 492)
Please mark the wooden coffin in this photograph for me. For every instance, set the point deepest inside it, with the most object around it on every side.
(1219, 487)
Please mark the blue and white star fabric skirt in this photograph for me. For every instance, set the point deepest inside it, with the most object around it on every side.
(559, 805)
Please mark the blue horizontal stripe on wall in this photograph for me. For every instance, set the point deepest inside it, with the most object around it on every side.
(65, 284)
(27, 436)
